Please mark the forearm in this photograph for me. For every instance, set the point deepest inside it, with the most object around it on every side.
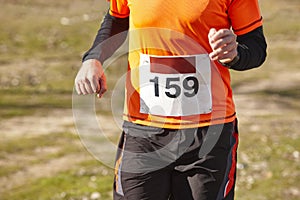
(251, 49)
(105, 44)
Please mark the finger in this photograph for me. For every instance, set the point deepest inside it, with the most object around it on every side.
(221, 34)
(82, 88)
(227, 57)
(211, 40)
(88, 87)
(228, 48)
(102, 90)
(215, 54)
(223, 37)
(223, 46)
(227, 52)
(224, 42)
(95, 84)
(77, 88)
(211, 33)
(103, 86)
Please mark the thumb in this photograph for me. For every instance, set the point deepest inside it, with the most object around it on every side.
(211, 33)
(103, 86)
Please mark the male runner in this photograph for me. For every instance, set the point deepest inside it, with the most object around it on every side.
(179, 137)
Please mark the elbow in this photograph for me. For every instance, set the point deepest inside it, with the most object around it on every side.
(253, 58)
(262, 60)
(263, 55)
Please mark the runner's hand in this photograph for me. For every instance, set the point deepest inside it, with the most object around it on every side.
(224, 45)
(91, 79)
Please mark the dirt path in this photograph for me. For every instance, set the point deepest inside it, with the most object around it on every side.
(55, 121)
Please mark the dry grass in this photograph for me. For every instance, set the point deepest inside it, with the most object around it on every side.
(41, 44)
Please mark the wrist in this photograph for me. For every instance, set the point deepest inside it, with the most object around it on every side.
(92, 61)
(232, 62)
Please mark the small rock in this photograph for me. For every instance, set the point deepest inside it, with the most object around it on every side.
(293, 191)
(104, 172)
(93, 178)
(65, 21)
(296, 155)
(85, 17)
(95, 196)
(15, 82)
(240, 166)
(81, 172)
(63, 194)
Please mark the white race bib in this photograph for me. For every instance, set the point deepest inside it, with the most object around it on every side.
(174, 93)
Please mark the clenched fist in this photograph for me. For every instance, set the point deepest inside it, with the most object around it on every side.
(90, 78)
(224, 45)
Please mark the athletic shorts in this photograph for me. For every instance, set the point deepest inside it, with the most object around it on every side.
(187, 164)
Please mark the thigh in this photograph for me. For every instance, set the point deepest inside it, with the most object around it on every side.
(143, 186)
(143, 166)
(210, 176)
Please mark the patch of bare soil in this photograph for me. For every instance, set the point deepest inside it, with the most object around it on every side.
(55, 121)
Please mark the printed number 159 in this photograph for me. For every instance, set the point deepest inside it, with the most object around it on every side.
(190, 86)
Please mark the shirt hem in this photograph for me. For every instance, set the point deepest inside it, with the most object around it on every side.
(180, 124)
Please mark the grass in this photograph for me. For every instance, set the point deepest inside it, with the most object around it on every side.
(77, 183)
(29, 144)
(34, 150)
(40, 58)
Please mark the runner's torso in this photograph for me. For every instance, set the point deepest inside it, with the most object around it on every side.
(171, 82)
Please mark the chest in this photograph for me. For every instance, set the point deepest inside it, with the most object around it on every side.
(174, 12)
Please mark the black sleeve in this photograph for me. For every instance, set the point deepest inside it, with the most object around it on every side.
(104, 44)
(251, 49)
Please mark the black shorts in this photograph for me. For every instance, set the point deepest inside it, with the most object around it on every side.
(188, 164)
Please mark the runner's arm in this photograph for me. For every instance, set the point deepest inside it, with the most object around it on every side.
(251, 50)
(102, 47)
(91, 78)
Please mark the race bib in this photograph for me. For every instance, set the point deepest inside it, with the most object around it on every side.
(175, 85)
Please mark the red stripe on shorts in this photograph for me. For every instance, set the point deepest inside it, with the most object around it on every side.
(230, 182)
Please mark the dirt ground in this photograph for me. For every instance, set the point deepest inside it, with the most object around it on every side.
(267, 102)
(62, 120)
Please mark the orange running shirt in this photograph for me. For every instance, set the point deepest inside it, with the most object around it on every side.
(171, 82)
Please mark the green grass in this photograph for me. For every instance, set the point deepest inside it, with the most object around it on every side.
(9, 169)
(41, 33)
(29, 144)
(39, 61)
(31, 149)
(279, 167)
(77, 183)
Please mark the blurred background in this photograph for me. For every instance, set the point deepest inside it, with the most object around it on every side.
(41, 154)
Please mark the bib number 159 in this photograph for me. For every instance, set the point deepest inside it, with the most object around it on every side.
(174, 88)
